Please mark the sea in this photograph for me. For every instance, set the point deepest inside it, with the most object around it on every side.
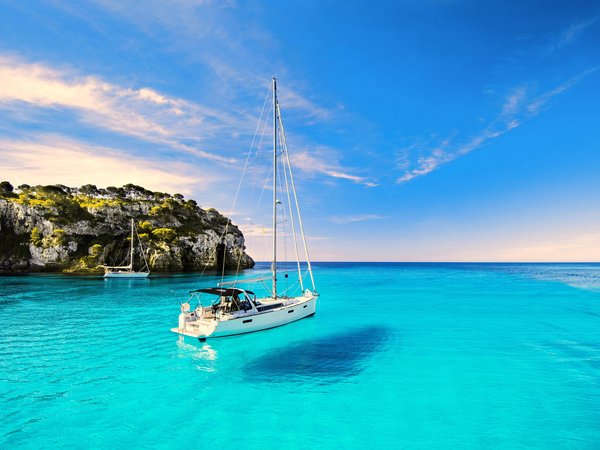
(398, 355)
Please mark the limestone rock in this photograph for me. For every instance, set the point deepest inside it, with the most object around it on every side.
(57, 228)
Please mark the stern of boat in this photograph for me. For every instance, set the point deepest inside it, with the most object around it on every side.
(192, 324)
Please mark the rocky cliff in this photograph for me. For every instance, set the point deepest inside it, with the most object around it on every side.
(58, 228)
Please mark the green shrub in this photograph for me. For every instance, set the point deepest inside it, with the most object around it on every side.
(6, 189)
(164, 234)
(145, 226)
(58, 237)
(155, 210)
(36, 236)
(95, 250)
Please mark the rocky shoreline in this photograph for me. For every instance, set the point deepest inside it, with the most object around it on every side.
(77, 230)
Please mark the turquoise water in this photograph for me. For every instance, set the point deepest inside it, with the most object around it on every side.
(397, 356)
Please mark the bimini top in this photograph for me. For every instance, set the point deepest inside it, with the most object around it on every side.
(226, 292)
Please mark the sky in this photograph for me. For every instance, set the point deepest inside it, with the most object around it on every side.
(419, 130)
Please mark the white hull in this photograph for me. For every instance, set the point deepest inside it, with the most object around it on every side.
(247, 322)
(126, 275)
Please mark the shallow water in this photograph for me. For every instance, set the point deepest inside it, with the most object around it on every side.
(397, 356)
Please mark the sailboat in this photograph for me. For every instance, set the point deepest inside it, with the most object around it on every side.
(127, 271)
(227, 309)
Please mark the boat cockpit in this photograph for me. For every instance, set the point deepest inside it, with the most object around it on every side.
(221, 301)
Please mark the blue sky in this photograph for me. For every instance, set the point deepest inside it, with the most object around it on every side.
(451, 130)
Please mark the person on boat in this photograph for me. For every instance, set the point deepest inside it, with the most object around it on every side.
(245, 304)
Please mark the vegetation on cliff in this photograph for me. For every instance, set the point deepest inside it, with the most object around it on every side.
(58, 227)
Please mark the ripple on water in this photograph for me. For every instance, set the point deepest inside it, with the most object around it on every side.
(325, 360)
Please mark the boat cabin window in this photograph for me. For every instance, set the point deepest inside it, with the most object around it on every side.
(236, 302)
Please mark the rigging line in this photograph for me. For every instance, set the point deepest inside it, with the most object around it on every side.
(290, 287)
(284, 232)
(238, 189)
(141, 248)
(239, 258)
(264, 186)
(260, 118)
(262, 136)
(259, 147)
(298, 211)
(119, 251)
(287, 189)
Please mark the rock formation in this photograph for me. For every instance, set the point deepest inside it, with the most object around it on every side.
(58, 228)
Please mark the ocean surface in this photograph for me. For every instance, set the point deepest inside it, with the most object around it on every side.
(397, 356)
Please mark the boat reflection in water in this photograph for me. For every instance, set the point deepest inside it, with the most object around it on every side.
(203, 352)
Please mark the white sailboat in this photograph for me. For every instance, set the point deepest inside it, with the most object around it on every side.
(127, 271)
(226, 309)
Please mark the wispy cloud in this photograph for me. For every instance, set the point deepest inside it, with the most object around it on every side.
(211, 30)
(517, 107)
(343, 220)
(320, 164)
(293, 100)
(573, 32)
(513, 102)
(204, 31)
(51, 159)
(256, 230)
(537, 104)
(142, 113)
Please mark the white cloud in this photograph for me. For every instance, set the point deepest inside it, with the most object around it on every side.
(211, 32)
(142, 113)
(293, 100)
(573, 31)
(255, 230)
(513, 102)
(536, 105)
(515, 109)
(313, 163)
(56, 160)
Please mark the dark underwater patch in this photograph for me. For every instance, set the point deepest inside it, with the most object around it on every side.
(324, 359)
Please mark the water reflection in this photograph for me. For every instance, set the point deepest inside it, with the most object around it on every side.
(324, 360)
(203, 353)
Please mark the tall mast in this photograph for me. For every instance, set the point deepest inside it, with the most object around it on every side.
(274, 267)
(131, 248)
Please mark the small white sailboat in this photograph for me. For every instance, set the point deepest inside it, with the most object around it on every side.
(128, 271)
(226, 309)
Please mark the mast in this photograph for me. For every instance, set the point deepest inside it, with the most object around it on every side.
(131, 247)
(274, 267)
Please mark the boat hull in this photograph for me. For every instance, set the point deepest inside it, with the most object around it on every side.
(266, 320)
(251, 322)
(127, 275)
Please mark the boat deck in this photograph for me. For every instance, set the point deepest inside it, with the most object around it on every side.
(197, 328)
(190, 333)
